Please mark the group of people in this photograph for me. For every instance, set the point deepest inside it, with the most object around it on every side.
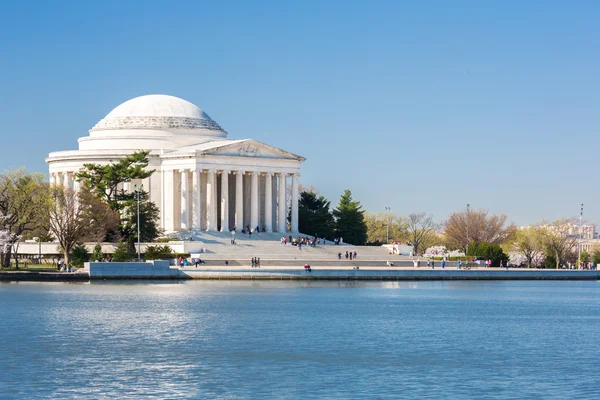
(62, 267)
(255, 262)
(349, 255)
(183, 262)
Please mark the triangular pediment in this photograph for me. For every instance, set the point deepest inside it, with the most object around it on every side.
(250, 148)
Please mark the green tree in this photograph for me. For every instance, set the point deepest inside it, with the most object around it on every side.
(488, 251)
(314, 217)
(350, 220)
(24, 201)
(596, 258)
(585, 257)
(97, 255)
(103, 180)
(79, 255)
(529, 242)
(379, 224)
(149, 215)
(122, 253)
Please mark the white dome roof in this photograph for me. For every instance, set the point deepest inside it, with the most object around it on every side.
(157, 111)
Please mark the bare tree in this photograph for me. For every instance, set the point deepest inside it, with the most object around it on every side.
(379, 224)
(559, 241)
(469, 226)
(74, 215)
(421, 229)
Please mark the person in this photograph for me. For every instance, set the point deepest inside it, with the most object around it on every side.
(501, 265)
(253, 262)
(350, 256)
(180, 261)
(257, 262)
(226, 262)
(444, 263)
(428, 263)
(185, 262)
(59, 264)
(433, 264)
(196, 261)
(355, 255)
(458, 264)
(299, 245)
(390, 264)
(415, 263)
(346, 255)
(339, 256)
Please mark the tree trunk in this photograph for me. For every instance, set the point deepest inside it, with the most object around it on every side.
(6, 258)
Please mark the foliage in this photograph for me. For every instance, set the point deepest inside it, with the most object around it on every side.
(468, 226)
(103, 180)
(488, 251)
(158, 253)
(79, 255)
(378, 224)
(421, 231)
(349, 220)
(97, 255)
(24, 201)
(123, 253)
(596, 257)
(149, 215)
(314, 217)
(585, 257)
(529, 242)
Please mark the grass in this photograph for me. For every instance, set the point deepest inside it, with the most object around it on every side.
(32, 268)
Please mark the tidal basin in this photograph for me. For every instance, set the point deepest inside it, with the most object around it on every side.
(300, 339)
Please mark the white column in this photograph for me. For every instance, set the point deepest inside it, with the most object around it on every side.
(295, 203)
(76, 185)
(282, 203)
(239, 200)
(197, 211)
(225, 201)
(254, 202)
(126, 187)
(269, 202)
(184, 200)
(169, 201)
(66, 180)
(51, 180)
(211, 204)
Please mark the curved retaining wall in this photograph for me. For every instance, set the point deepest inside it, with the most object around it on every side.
(391, 275)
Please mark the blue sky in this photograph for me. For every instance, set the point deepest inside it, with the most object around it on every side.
(420, 106)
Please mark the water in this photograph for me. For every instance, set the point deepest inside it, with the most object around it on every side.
(293, 340)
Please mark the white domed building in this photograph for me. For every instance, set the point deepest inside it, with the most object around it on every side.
(203, 181)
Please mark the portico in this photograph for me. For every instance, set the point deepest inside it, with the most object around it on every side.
(202, 180)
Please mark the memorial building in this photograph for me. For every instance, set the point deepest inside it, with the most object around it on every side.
(203, 181)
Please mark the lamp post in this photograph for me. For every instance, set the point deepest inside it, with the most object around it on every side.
(387, 225)
(580, 237)
(137, 196)
(467, 249)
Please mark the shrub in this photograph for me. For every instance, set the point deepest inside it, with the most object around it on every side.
(97, 254)
(79, 255)
(122, 253)
(158, 253)
(488, 251)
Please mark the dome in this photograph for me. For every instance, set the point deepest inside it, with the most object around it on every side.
(157, 111)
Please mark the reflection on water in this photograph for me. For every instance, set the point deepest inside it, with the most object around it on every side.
(308, 339)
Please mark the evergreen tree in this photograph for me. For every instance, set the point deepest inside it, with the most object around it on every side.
(149, 215)
(79, 255)
(314, 217)
(349, 220)
(97, 254)
(122, 253)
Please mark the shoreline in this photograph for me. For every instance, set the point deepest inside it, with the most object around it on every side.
(327, 273)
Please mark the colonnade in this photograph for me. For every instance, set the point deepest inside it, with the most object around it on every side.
(213, 200)
(66, 179)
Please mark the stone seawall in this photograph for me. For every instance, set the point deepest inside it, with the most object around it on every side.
(25, 276)
(389, 274)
